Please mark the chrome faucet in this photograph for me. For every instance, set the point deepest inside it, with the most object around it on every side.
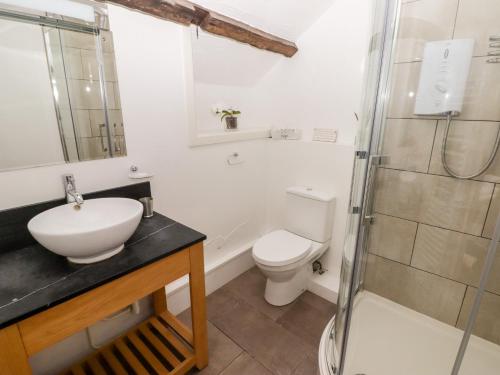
(72, 196)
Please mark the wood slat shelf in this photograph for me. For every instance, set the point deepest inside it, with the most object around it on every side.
(160, 345)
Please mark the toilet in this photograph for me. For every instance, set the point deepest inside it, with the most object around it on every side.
(285, 256)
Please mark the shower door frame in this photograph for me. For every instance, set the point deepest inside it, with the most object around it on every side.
(371, 152)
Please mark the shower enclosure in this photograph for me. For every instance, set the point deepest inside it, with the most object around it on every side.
(420, 282)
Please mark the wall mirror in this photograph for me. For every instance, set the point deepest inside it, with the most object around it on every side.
(60, 100)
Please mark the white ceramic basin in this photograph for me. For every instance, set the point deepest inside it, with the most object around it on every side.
(94, 232)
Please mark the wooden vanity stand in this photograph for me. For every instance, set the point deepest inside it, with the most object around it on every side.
(161, 344)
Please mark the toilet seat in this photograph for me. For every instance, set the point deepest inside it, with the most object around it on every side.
(281, 248)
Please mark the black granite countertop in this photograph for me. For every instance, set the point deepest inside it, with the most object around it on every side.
(32, 278)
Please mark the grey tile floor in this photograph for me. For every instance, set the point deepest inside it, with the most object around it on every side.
(247, 336)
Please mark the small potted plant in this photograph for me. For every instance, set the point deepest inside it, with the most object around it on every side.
(230, 115)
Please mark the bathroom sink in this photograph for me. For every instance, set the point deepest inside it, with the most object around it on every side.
(89, 233)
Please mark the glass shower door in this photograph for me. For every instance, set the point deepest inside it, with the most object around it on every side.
(351, 263)
(418, 239)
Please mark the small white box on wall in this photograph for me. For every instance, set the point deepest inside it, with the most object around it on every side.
(325, 135)
(286, 134)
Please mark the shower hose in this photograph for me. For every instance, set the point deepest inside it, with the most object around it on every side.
(483, 169)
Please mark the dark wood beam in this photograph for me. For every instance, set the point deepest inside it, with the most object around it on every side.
(224, 26)
(186, 13)
(167, 10)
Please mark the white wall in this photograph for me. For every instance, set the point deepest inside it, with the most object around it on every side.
(321, 85)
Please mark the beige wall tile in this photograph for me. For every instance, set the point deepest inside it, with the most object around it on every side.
(392, 238)
(111, 95)
(398, 193)
(82, 123)
(94, 148)
(66, 62)
(87, 94)
(478, 19)
(107, 41)
(493, 213)
(116, 90)
(429, 294)
(469, 146)
(423, 21)
(96, 121)
(482, 93)
(109, 66)
(454, 255)
(405, 79)
(66, 122)
(487, 323)
(408, 143)
(116, 122)
(119, 147)
(73, 63)
(436, 200)
(77, 39)
(71, 148)
(90, 67)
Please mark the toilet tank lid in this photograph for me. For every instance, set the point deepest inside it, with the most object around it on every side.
(308, 192)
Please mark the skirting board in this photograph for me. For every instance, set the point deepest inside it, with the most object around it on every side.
(217, 274)
(326, 286)
(231, 266)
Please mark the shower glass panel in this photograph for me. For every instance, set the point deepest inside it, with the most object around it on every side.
(83, 73)
(479, 318)
(348, 284)
(416, 247)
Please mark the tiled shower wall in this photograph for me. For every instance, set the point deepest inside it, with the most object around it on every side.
(81, 106)
(429, 240)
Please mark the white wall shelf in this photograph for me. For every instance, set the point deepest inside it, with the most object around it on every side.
(208, 138)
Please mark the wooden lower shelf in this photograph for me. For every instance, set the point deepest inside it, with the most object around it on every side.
(161, 345)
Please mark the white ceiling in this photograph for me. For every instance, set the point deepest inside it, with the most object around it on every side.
(285, 18)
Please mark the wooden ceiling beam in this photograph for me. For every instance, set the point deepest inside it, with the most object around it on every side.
(186, 13)
(219, 24)
(167, 10)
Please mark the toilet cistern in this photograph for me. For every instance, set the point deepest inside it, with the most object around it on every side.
(286, 256)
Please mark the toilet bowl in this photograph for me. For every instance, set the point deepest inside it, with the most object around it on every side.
(286, 260)
(285, 256)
